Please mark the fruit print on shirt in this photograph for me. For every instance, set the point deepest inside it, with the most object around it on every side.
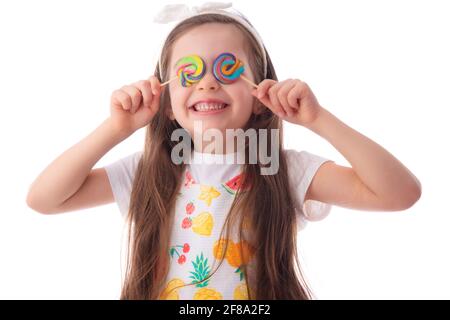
(233, 185)
(201, 224)
(190, 208)
(189, 180)
(201, 271)
(208, 194)
(175, 250)
(170, 292)
(233, 254)
(196, 246)
(207, 294)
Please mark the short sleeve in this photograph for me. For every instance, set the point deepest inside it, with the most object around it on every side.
(121, 175)
(302, 166)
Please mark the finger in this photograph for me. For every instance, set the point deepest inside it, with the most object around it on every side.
(293, 96)
(282, 96)
(146, 88)
(157, 90)
(135, 95)
(262, 92)
(263, 87)
(276, 104)
(121, 99)
(156, 85)
(154, 106)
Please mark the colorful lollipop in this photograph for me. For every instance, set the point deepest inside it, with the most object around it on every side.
(190, 69)
(227, 69)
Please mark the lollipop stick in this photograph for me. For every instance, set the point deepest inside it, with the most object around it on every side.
(169, 81)
(250, 82)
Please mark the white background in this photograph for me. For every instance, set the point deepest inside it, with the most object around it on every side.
(382, 67)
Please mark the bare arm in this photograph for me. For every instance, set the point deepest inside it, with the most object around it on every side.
(66, 174)
(376, 180)
(69, 183)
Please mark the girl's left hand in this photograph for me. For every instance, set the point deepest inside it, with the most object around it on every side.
(292, 100)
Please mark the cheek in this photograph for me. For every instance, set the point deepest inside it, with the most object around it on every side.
(244, 100)
(178, 99)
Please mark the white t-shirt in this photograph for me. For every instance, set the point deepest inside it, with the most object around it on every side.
(204, 201)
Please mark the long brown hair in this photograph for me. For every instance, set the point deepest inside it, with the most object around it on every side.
(268, 204)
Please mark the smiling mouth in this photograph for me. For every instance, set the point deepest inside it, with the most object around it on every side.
(209, 107)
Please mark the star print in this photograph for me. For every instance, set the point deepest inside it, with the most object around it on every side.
(207, 194)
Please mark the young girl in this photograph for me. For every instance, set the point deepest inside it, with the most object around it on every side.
(203, 230)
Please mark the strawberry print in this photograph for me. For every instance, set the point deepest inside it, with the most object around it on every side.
(190, 208)
(187, 223)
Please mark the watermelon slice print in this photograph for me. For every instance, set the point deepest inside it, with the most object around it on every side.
(233, 185)
(189, 179)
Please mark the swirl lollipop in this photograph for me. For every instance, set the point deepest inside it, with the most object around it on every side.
(227, 69)
(190, 69)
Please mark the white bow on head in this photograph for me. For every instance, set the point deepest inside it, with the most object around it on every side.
(179, 12)
(175, 12)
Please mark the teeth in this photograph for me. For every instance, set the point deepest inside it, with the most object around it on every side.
(209, 106)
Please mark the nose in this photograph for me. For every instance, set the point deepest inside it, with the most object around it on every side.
(208, 82)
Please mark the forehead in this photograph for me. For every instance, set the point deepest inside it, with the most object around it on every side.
(209, 40)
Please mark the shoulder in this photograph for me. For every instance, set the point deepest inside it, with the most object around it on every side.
(122, 171)
(304, 155)
(302, 167)
(128, 162)
(302, 164)
(121, 175)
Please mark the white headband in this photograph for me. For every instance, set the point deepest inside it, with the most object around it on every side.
(181, 12)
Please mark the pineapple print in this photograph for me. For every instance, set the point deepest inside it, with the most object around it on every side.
(201, 271)
(240, 292)
(170, 293)
(207, 294)
(233, 254)
(203, 224)
(208, 193)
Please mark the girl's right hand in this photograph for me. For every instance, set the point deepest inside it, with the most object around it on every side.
(134, 106)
